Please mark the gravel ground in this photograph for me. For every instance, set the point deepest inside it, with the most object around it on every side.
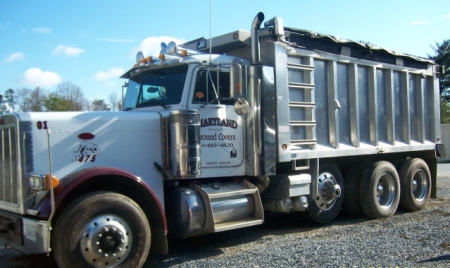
(419, 239)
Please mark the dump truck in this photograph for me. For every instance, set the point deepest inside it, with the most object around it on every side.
(216, 133)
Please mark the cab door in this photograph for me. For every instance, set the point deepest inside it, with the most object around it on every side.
(222, 131)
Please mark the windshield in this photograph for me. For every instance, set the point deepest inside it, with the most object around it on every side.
(159, 87)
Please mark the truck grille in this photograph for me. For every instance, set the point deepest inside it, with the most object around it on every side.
(9, 194)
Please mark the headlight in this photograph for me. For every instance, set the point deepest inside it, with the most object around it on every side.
(41, 182)
(36, 182)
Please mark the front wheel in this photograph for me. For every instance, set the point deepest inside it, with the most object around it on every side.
(102, 229)
(326, 206)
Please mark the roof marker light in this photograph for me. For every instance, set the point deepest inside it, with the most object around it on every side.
(161, 55)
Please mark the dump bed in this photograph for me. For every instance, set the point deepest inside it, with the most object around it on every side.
(338, 97)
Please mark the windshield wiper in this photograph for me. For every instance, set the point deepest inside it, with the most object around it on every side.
(154, 103)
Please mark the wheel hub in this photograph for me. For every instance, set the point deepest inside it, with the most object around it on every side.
(419, 185)
(386, 190)
(329, 191)
(105, 241)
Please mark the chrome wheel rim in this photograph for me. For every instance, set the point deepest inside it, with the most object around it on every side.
(419, 185)
(325, 199)
(105, 241)
(385, 190)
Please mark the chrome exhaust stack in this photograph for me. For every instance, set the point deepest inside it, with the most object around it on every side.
(256, 57)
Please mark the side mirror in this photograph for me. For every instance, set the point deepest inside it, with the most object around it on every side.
(236, 81)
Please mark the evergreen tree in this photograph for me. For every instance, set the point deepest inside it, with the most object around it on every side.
(99, 105)
(442, 58)
(54, 102)
(9, 98)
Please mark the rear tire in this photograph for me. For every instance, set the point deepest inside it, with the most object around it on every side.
(324, 210)
(415, 180)
(379, 190)
(352, 203)
(102, 229)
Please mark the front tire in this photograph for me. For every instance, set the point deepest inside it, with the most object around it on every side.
(102, 229)
(379, 190)
(327, 205)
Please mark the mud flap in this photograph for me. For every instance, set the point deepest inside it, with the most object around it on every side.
(440, 150)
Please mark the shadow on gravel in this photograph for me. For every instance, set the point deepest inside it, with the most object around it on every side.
(216, 244)
(17, 260)
(208, 246)
(437, 259)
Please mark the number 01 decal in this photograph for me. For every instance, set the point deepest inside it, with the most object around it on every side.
(42, 125)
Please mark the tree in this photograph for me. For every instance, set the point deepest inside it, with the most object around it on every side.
(442, 58)
(3, 107)
(54, 102)
(9, 98)
(23, 99)
(36, 100)
(73, 95)
(7, 102)
(99, 105)
(116, 104)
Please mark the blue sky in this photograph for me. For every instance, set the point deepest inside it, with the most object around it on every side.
(91, 43)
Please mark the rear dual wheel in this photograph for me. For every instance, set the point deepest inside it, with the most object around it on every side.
(415, 179)
(379, 190)
(351, 199)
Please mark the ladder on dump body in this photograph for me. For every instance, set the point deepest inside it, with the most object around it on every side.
(301, 101)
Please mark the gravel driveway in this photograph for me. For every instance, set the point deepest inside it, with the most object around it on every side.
(419, 239)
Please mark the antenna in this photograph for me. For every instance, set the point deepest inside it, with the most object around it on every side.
(210, 31)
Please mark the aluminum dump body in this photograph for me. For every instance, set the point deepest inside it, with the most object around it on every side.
(337, 97)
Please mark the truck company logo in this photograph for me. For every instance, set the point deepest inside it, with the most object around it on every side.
(86, 152)
(206, 122)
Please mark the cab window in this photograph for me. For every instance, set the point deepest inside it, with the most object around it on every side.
(212, 87)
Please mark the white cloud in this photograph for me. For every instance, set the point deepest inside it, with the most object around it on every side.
(111, 73)
(19, 56)
(69, 51)
(35, 77)
(116, 40)
(43, 30)
(419, 22)
(3, 26)
(151, 46)
(447, 16)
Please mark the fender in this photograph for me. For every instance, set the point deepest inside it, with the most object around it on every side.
(71, 181)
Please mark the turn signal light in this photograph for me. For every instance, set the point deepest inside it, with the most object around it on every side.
(47, 181)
